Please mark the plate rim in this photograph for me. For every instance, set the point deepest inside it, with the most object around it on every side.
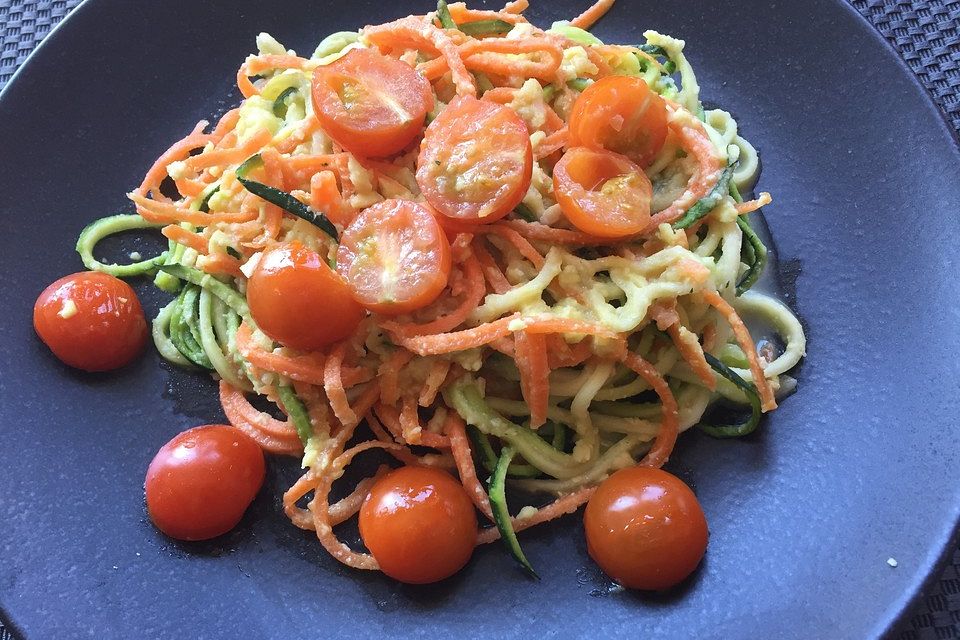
(900, 609)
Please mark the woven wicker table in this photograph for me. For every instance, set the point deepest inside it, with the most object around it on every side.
(926, 34)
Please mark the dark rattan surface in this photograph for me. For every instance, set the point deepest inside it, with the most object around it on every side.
(926, 34)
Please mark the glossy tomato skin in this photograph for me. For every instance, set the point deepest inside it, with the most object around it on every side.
(201, 482)
(297, 300)
(645, 528)
(475, 161)
(602, 193)
(91, 321)
(620, 114)
(394, 257)
(419, 524)
(370, 104)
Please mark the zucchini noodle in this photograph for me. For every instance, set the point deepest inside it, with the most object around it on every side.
(561, 350)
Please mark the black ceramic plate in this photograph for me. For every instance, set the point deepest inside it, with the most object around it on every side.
(858, 467)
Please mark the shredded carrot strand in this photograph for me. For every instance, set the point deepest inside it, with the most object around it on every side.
(167, 213)
(257, 64)
(225, 125)
(689, 348)
(443, 460)
(521, 244)
(413, 432)
(221, 157)
(435, 379)
(333, 386)
(460, 340)
(298, 137)
(596, 11)
(325, 196)
(271, 434)
(543, 233)
(516, 6)
(714, 299)
(531, 356)
(307, 367)
(562, 506)
(320, 508)
(338, 513)
(190, 188)
(460, 447)
(491, 56)
(179, 150)
(220, 264)
(178, 234)
(491, 272)
(695, 140)
(461, 14)
(416, 31)
(552, 143)
(752, 205)
(490, 331)
(273, 215)
(670, 420)
(709, 335)
(389, 374)
(471, 298)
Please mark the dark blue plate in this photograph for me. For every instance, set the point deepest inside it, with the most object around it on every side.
(858, 467)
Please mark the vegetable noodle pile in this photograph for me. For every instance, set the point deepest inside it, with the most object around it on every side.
(560, 348)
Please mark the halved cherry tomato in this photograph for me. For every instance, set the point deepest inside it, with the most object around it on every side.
(297, 300)
(602, 193)
(91, 321)
(475, 161)
(621, 114)
(419, 524)
(645, 528)
(200, 483)
(370, 104)
(395, 257)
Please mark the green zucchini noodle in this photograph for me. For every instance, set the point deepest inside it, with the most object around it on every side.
(566, 363)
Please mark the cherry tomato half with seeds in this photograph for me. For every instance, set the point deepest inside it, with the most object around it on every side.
(395, 257)
(201, 482)
(476, 161)
(91, 321)
(645, 528)
(299, 301)
(419, 524)
(369, 103)
(602, 193)
(620, 114)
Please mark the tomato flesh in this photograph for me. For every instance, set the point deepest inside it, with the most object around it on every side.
(395, 257)
(602, 193)
(620, 114)
(297, 300)
(476, 161)
(645, 528)
(370, 104)
(91, 321)
(201, 482)
(419, 524)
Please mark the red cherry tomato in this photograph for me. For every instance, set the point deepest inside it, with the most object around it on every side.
(602, 193)
(476, 161)
(621, 114)
(370, 104)
(395, 257)
(645, 528)
(91, 321)
(419, 524)
(200, 483)
(297, 300)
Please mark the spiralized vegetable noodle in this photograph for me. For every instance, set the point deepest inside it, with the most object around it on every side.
(579, 354)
